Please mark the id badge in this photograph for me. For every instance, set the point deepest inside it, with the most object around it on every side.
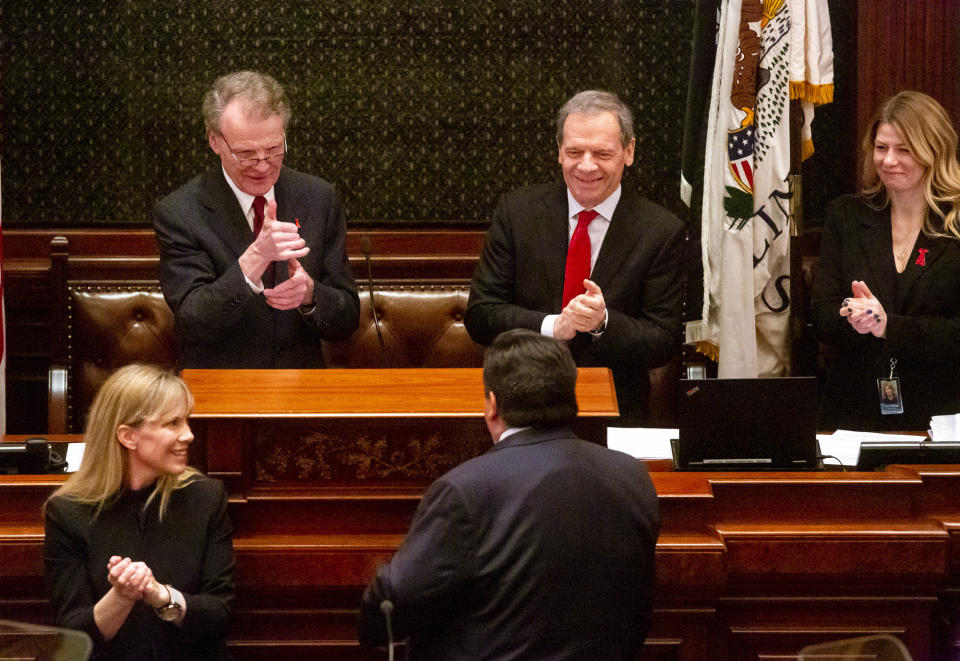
(891, 398)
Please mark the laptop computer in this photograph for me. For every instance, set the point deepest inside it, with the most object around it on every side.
(877, 455)
(747, 424)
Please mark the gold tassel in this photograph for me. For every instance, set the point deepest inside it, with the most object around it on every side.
(797, 89)
(708, 349)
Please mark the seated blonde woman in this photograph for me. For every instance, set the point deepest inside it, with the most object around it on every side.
(138, 550)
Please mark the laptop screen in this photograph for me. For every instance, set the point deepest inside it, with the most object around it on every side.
(747, 424)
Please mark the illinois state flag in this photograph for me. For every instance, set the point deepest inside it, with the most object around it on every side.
(745, 224)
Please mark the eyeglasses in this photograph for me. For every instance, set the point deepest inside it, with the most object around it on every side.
(253, 162)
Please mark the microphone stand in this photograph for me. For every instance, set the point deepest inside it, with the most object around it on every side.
(365, 246)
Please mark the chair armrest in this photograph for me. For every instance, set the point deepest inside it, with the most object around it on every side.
(57, 400)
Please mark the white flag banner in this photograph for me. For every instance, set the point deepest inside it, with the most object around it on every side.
(811, 62)
(745, 224)
(771, 195)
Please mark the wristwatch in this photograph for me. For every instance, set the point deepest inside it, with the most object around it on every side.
(172, 610)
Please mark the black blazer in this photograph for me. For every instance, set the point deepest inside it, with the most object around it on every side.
(519, 281)
(542, 548)
(190, 549)
(923, 327)
(220, 322)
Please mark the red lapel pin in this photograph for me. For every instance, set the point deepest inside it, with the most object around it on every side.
(922, 256)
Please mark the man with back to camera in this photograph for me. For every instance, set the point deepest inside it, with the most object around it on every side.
(542, 548)
(608, 283)
(253, 256)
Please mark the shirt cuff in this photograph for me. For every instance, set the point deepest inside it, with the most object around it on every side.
(598, 331)
(255, 288)
(546, 327)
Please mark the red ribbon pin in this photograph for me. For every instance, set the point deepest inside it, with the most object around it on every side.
(922, 256)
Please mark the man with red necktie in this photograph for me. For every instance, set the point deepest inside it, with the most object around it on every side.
(590, 263)
(253, 258)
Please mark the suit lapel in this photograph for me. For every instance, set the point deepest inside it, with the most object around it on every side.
(228, 220)
(877, 252)
(553, 229)
(619, 242)
(918, 265)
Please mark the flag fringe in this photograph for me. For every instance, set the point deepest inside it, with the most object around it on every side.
(816, 94)
(806, 149)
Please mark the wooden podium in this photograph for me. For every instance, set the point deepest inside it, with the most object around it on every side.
(353, 429)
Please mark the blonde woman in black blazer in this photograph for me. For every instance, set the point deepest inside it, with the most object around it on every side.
(887, 288)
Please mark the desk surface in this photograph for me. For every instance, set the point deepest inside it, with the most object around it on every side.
(53, 438)
(453, 392)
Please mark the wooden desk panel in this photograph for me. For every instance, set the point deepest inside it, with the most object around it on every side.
(354, 430)
(749, 566)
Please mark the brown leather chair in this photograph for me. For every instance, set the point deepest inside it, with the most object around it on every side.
(103, 324)
(114, 314)
(99, 326)
(422, 326)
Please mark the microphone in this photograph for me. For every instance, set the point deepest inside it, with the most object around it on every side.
(386, 607)
(365, 246)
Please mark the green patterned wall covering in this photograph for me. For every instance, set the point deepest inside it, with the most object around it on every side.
(418, 111)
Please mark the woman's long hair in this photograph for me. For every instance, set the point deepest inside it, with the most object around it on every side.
(134, 394)
(929, 133)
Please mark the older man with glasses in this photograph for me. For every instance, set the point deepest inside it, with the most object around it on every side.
(253, 254)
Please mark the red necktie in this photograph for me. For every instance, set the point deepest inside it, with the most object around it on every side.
(578, 258)
(259, 202)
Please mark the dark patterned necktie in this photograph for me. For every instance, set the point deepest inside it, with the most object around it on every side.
(259, 202)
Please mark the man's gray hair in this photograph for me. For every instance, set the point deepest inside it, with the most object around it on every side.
(260, 93)
(594, 102)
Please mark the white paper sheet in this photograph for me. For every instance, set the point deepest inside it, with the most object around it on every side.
(642, 442)
(74, 456)
(945, 428)
(844, 444)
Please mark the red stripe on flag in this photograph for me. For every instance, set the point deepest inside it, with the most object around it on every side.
(747, 170)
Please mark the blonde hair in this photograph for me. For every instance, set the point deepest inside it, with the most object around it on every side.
(926, 128)
(134, 394)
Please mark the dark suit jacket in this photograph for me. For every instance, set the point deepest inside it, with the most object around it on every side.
(519, 281)
(220, 322)
(542, 548)
(923, 327)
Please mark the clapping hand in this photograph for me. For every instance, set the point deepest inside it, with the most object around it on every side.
(583, 313)
(295, 290)
(863, 311)
(134, 581)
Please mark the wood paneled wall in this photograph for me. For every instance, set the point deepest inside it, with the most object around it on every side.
(907, 45)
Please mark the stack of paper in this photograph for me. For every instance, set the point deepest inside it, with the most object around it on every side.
(945, 428)
(843, 445)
